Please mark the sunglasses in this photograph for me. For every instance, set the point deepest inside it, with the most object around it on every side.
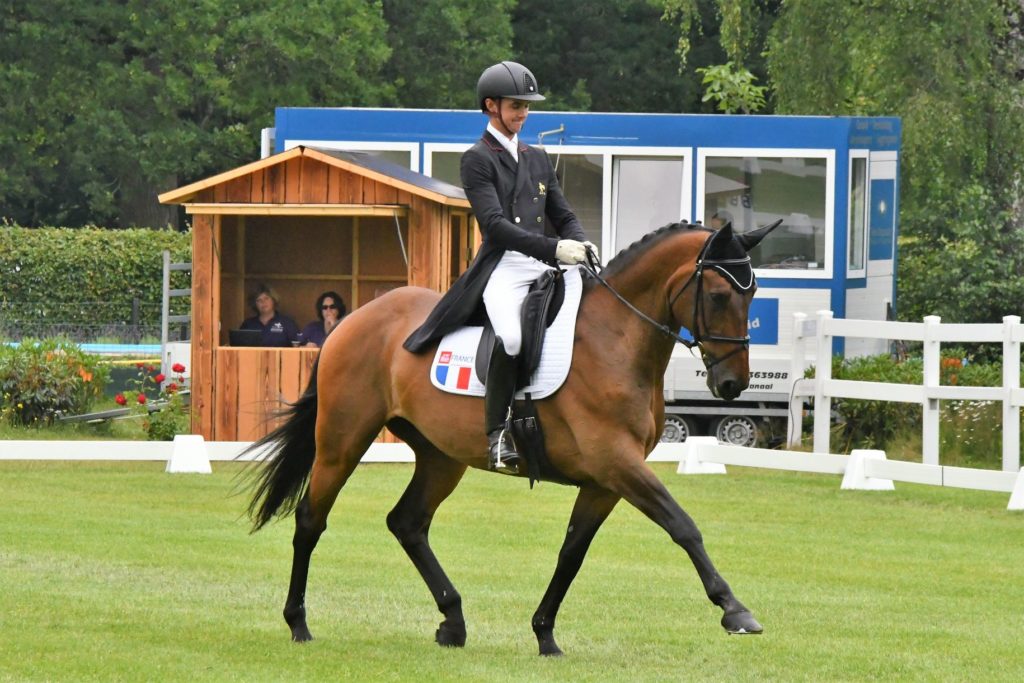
(327, 306)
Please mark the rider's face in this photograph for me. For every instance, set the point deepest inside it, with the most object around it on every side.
(508, 115)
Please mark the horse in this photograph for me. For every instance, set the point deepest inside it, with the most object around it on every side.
(599, 426)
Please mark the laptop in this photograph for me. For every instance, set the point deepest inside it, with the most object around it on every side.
(245, 338)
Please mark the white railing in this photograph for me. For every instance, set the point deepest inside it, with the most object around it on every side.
(928, 394)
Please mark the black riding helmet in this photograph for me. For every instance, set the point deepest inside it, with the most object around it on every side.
(507, 79)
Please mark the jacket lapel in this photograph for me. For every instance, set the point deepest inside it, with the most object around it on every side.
(522, 173)
(506, 159)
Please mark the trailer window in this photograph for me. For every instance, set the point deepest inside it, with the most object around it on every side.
(858, 212)
(581, 177)
(648, 195)
(752, 191)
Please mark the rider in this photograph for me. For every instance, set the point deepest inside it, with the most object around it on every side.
(526, 224)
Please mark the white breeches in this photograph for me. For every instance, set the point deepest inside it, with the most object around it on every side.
(504, 294)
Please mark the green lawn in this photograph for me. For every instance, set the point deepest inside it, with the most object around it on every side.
(117, 571)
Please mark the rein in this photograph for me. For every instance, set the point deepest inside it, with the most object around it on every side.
(592, 264)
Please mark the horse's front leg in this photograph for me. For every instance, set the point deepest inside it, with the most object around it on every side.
(636, 483)
(593, 505)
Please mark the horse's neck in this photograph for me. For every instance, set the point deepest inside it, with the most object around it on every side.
(636, 341)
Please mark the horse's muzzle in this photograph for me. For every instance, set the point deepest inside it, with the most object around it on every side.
(727, 389)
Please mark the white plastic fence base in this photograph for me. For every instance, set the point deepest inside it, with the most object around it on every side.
(189, 455)
(855, 479)
(690, 462)
(1017, 497)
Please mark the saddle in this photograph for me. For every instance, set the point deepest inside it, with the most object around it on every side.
(540, 307)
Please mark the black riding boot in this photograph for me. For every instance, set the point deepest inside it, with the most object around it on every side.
(500, 390)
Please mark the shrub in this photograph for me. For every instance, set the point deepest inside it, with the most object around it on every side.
(158, 400)
(39, 379)
(85, 279)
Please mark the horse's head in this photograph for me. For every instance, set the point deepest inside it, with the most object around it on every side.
(713, 302)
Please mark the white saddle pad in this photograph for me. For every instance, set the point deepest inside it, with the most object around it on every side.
(454, 366)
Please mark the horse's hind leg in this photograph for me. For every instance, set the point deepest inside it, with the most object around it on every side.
(435, 477)
(591, 509)
(337, 457)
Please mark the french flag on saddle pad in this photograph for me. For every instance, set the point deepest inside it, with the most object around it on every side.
(452, 375)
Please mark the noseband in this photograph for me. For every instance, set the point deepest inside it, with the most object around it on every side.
(699, 310)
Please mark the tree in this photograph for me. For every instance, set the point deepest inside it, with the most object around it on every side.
(738, 28)
(440, 47)
(953, 72)
(603, 56)
(109, 103)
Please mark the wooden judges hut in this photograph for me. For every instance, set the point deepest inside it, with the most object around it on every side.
(304, 221)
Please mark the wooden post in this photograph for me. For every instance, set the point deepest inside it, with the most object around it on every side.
(204, 325)
(930, 406)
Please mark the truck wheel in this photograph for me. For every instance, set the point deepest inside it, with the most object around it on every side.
(677, 429)
(737, 430)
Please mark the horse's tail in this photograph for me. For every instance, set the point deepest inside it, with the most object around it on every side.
(289, 460)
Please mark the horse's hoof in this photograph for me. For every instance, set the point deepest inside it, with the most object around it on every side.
(301, 635)
(450, 635)
(741, 623)
(551, 650)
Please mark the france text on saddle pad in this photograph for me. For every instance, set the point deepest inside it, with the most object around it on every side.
(454, 366)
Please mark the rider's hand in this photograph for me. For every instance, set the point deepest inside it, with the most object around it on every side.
(593, 248)
(571, 252)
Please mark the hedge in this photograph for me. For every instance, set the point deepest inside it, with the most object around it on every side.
(86, 276)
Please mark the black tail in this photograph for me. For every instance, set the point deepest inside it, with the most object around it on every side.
(282, 479)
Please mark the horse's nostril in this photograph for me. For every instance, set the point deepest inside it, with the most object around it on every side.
(730, 389)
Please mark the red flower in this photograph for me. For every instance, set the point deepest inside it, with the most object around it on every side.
(140, 365)
(159, 378)
(150, 368)
(120, 400)
(178, 367)
(171, 388)
(141, 398)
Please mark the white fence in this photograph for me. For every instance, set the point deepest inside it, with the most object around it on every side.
(698, 455)
(927, 395)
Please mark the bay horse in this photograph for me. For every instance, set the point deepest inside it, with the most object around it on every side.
(599, 426)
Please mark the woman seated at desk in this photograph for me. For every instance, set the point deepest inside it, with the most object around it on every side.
(276, 329)
(330, 309)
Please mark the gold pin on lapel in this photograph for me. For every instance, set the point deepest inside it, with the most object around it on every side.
(542, 189)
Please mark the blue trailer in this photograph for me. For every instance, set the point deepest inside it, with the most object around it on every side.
(832, 180)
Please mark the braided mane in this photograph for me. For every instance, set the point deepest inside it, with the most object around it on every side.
(631, 253)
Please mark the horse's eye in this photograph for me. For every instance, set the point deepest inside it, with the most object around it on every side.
(720, 299)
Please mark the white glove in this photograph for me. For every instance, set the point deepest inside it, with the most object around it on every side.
(593, 248)
(571, 252)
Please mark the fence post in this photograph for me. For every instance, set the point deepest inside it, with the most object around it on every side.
(930, 406)
(795, 417)
(822, 373)
(1011, 382)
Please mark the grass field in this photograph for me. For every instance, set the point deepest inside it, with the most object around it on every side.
(119, 572)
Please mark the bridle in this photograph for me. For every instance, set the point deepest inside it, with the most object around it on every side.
(591, 265)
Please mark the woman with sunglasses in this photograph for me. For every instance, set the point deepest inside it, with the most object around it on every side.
(330, 309)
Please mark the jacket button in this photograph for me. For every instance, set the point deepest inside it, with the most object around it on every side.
(539, 219)
(534, 200)
(517, 219)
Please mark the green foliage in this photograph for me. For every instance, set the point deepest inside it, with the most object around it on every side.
(38, 379)
(158, 401)
(603, 56)
(55, 274)
(732, 88)
(107, 104)
(440, 47)
(952, 73)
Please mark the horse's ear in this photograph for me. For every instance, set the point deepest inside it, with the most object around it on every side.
(723, 235)
(751, 239)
